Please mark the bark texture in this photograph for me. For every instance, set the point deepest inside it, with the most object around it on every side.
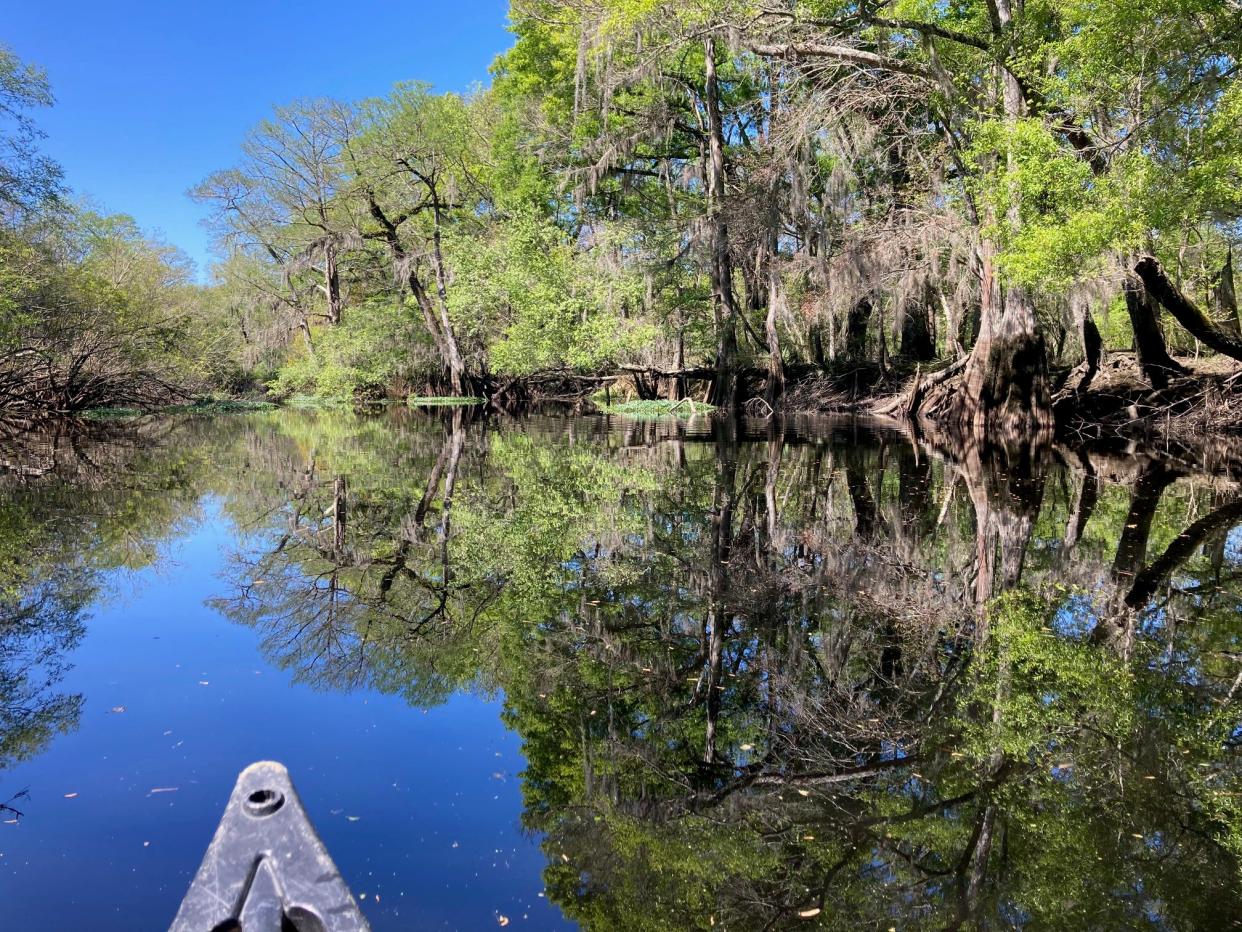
(1185, 311)
(725, 386)
(1154, 360)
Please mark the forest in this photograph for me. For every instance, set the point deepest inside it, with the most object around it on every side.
(995, 216)
(916, 607)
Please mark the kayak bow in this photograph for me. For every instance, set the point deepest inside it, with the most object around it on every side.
(266, 869)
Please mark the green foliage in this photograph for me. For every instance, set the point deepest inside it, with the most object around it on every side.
(366, 356)
(28, 179)
(549, 305)
(1042, 685)
(1054, 220)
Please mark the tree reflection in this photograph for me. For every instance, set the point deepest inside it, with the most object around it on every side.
(351, 584)
(75, 504)
(40, 623)
(778, 698)
(833, 677)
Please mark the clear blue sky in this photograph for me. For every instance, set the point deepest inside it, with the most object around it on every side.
(153, 96)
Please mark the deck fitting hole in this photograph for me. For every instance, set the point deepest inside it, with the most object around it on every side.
(300, 919)
(264, 802)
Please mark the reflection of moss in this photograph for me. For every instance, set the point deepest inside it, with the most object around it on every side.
(417, 401)
(686, 407)
(201, 406)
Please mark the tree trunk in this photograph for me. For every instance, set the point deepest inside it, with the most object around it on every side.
(1092, 346)
(1154, 360)
(679, 383)
(1186, 312)
(332, 285)
(446, 346)
(1225, 296)
(1005, 387)
(339, 506)
(856, 328)
(456, 365)
(917, 343)
(725, 386)
(423, 299)
(776, 365)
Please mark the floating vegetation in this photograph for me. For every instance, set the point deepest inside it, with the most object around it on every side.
(313, 401)
(200, 406)
(442, 400)
(686, 407)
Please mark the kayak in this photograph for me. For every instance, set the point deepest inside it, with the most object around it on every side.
(266, 869)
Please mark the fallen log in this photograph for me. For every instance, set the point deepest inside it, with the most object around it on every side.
(907, 402)
(1185, 311)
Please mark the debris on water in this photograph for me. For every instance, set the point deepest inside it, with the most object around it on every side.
(204, 683)
(116, 710)
(353, 818)
(71, 796)
(502, 920)
(164, 789)
(810, 913)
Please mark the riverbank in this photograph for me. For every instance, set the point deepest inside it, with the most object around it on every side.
(1115, 403)
(1197, 416)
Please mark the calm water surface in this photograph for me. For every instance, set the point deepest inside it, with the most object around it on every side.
(605, 674)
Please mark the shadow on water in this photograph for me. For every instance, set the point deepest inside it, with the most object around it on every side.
(827, 674)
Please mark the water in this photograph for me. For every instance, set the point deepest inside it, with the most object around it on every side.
(583, 672)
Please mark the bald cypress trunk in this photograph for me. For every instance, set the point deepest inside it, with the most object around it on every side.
(856, 328)
(1153, 356)
(1005, 386)
(917, 342)
(456, 365)
(1186, 312)
(725, 386)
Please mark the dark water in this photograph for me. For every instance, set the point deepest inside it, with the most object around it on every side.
(564, 673)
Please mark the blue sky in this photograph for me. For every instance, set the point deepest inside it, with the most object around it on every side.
(153, 96)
